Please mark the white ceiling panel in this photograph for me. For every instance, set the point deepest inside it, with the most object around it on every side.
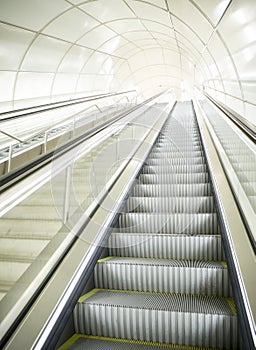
(245, 60)
(187, 45)
(145, 43)
(7, 84)
(147, 11)
(238, 28)
(33, 84)
(97, 37)
(154, 55)
(213, 9)
(13, 45)
(187, 64)
(217, 48)
(126, 25)
(44, 55)
(71, 25)
(75, 59)
(189, 14)
(137, 61)
(171, 57)
(127, 50)
(113, 44)
(135, 35)
(108, 11)
(159, 27)
(84, 84)
(94, 62)
(159, 3)
(189, 34)
(32, 14)
(163, 36)
(124, 71)
(64, 83)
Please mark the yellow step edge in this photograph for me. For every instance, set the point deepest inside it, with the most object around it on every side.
(75, 337)
(229, 300)
(105, 259)
(223, 263)
(164, 234)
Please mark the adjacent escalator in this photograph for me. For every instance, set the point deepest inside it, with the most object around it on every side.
(165, 282)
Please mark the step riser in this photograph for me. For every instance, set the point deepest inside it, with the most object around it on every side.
(186, 190)
(157, 326)
(179, 160)
(166, 246)
(174, 223)
(173, 205)
(175, 169)
(173, 178)
(162, 279)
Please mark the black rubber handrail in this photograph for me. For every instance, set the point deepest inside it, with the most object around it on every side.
(16, 175)
(56, 105)
(234, 117)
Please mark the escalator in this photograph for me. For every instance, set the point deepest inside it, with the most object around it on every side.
(163, 282)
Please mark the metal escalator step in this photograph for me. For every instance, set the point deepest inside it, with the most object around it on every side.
(170, 205)
(154, 169)
(166, 178)
(168, 190)
(82, 342)
(162, 275)
(158, 317)
(177, 147)
(164, 246)
(168, 223)
(163, 154)
(179, 160)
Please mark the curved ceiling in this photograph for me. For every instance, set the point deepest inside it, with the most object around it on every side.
(53, 48)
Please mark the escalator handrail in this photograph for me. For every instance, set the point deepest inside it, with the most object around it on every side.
(245, 126)
(56, 105)
(16, 175)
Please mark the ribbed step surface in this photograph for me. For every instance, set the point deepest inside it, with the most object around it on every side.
(157, 317)
(166, 246)
(163, 276)
(82, 342)
(166, 178)
(203, 204)
(169, 223)
(165, 280)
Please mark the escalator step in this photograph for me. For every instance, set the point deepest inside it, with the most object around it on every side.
(168, 168)
(168, 190)
(166, 178)
(82, 342)
(162, 275)
(158, 317)
(178, 160)
(166, 246)
(170, 205)
(168, 223)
